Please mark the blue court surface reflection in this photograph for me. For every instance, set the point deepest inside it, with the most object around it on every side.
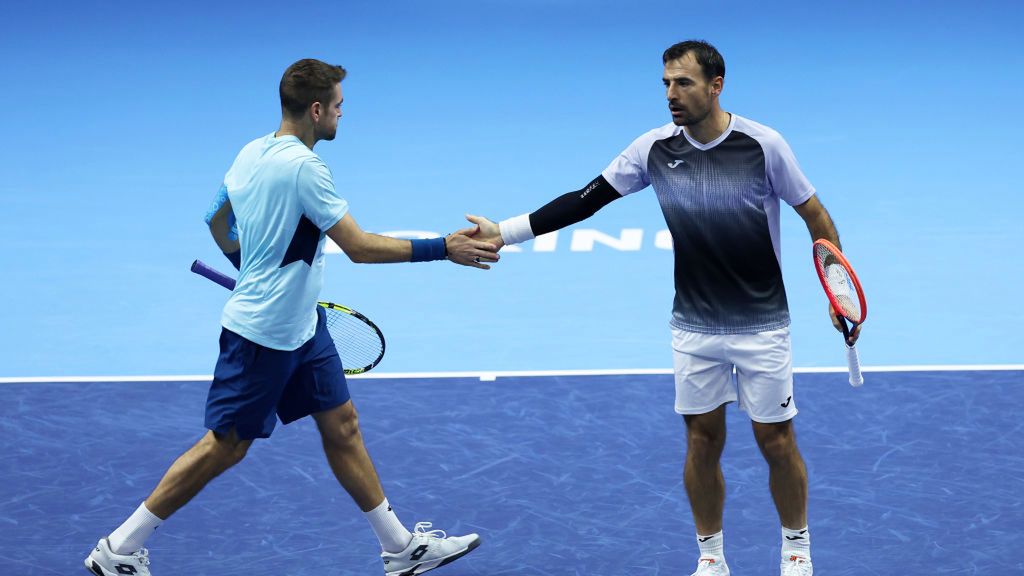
(919, 473)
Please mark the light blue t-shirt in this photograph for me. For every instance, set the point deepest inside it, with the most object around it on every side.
(283, 199)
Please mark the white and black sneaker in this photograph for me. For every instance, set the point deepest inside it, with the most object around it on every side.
(103, 562)
(428, 549)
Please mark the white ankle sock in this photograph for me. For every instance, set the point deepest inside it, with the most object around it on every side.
(392, 535)
(711, 545)
(130, 536)
(796, 542)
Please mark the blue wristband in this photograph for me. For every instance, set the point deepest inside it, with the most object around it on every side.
(429, 249)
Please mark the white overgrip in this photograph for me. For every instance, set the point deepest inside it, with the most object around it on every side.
(856, 378)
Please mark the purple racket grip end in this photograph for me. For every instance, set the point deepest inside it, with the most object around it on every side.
(199, 267)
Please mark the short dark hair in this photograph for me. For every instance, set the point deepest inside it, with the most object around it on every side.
(308, 81)
(711, 62)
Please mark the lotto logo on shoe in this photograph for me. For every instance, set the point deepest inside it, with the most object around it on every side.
(126, 569)
(418, 553)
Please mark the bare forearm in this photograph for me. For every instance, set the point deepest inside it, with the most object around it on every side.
(819, 222)
(823, 227)
(219, 230)
(377, 249)
(220, 219)
(366, 248)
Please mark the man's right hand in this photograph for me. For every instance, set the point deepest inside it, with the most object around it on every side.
(467, 248)
(487, 231)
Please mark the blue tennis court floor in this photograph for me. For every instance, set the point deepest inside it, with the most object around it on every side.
(916, 473)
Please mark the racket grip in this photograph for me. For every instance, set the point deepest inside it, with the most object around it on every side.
(199, 267)
(856, 378)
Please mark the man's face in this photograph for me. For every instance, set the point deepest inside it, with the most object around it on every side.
(325, 122)
(689, 94)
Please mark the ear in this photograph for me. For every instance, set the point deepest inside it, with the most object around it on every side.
(315, 111)
(717, 84)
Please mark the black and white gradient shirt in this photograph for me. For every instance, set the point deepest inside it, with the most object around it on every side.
(721, 204)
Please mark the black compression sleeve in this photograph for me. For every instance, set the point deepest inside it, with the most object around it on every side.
(573, 207)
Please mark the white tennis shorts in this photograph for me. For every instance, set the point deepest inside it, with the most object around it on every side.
(763, 364)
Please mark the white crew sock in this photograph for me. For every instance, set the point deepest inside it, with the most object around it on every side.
(796, 542)
(392, 535)
(711, 545)
(130, 536)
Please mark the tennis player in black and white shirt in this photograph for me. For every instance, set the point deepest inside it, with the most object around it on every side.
(719, 178)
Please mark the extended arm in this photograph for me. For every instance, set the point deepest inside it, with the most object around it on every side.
(367, 248)
(563, 211)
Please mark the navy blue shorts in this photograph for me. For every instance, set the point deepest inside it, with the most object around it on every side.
(254, 385)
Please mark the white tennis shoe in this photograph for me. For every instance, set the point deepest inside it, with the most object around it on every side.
(428, 549)
(103, 562)
(794, 565)
(711, 566)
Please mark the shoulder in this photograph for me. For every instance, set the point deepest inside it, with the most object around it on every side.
(641, 146)
(312, 164)
(768, 137)
(313, 171)
(290, 155)
(253, 150)
(660, 133)
(291, 148)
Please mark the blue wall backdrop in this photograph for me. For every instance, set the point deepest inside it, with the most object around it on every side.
(121, 118)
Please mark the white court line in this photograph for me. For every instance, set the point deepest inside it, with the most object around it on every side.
(490, 376)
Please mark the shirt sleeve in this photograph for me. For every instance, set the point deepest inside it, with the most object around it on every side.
(787, 180)
(320, 202)
(628, 171)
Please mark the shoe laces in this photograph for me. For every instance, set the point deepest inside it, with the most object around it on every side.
(796, 566)
(423, 530)
(143, 556)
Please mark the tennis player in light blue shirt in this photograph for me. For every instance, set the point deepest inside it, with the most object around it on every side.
(277, 359)
(283, 196)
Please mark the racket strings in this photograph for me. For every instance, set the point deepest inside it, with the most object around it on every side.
(358, 343)
(839, 284)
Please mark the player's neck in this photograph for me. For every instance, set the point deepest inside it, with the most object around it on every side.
(302, 131)
(716, 123)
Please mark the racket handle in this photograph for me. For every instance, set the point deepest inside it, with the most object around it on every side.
(856, 378)
(210, 274)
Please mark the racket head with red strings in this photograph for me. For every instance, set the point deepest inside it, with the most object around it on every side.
(844, 292)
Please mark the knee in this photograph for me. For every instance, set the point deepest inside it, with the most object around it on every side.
(778, 445)
(225, 449)
(238, 451)
(341, 431)
(704, 444)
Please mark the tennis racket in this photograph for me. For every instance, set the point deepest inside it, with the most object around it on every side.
(359, 341)
(844, 292)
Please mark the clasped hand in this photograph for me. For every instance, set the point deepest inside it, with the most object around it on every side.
(466, 248)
